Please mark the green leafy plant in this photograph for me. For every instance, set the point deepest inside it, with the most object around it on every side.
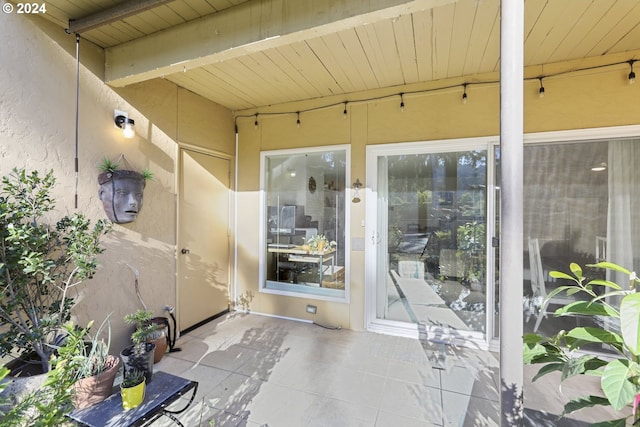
(567, 351)
(145, 328)
(132, 378)
(84, 354)
(39, 264)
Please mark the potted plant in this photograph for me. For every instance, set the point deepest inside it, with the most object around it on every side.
(39, 264)
(319, 243)
(121, 191)
(86, 360)
(132, 389)
(568, 352)
(139, 356)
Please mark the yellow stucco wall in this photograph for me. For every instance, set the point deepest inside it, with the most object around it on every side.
(37, 127)
(601, 97)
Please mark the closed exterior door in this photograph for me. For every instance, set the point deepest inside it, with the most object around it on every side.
(203, 241)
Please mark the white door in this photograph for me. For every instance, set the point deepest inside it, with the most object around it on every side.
(427, 239)
(203, 240)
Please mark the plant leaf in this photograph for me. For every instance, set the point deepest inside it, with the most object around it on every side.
(586, 308)
(584, 402)
(610, 266)
(596, 335)
(616, 385)
(561, 275)
(621, 422)
(546, 369)
(630, 322)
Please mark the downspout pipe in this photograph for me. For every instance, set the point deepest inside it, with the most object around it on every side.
(511, 202)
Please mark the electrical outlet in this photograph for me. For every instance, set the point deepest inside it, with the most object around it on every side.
(312, 309)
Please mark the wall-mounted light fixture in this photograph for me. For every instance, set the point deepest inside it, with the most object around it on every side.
(123, 121)
(356, 191)
(600, 167)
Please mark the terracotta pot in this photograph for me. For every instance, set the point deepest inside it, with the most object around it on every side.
(161, 342)
(132, 396)
(91, 390)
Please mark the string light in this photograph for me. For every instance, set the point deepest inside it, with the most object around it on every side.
(541, 90)
(298, 119)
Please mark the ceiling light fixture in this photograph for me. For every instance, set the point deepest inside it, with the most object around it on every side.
(298, 119)
(344, 113)
(541, 90)
(402, 102)
(632, 75)
(123, 121)
(464, 94)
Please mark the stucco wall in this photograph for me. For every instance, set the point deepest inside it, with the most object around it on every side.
(37, 129)
(600, 97)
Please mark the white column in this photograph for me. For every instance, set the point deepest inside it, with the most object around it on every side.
(511, 140)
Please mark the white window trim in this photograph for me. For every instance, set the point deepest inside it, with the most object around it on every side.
(262, 260)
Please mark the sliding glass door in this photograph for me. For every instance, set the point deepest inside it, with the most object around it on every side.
(428, 236)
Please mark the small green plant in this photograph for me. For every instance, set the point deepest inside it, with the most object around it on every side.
(145, 328)
(84, 354)
(567, 352)
(108, 165)
(132, 378)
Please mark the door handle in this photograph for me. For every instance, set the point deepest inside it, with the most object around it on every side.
(185, 251)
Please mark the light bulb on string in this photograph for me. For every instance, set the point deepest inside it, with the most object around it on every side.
(402, 102)
(464, 94)
(344, 112)
(298, 119)
(632, 74)
(255, 123)
(541, 90)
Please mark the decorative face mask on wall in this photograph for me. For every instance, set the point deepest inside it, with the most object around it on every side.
(121, 194)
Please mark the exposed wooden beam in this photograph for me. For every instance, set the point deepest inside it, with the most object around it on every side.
(112, 14)
(247, 28)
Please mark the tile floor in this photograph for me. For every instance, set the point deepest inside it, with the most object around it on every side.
(262, 371)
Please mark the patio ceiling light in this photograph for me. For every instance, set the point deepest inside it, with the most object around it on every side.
(541, 90)
(123, 121)
(632, 75)
(464, 94)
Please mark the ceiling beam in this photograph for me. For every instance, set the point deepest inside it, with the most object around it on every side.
(112, 14)
(250, 27)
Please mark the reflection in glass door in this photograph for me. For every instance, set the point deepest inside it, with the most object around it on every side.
(430, 238)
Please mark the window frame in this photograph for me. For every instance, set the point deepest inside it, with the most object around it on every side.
(263, 254)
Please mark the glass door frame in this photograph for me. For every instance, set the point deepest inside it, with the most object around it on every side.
(375, 237)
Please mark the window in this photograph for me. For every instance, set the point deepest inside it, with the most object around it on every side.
(304, 221)
(581, 205)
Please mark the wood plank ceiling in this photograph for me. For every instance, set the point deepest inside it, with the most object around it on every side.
(422, 40)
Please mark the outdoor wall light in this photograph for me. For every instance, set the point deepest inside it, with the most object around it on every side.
(599, 168)
(356, 191)
(122, 121)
